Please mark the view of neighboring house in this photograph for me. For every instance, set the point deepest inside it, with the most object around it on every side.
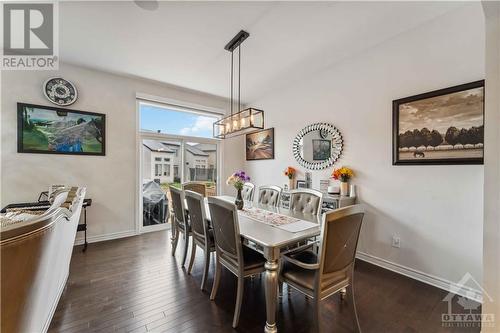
(211, 150)
(161, 161)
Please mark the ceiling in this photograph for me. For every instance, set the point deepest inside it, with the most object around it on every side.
(182, 43)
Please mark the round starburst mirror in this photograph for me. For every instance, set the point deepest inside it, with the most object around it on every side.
(317, 146)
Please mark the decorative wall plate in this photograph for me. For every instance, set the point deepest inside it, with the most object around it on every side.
(60, 91)
(301, 145)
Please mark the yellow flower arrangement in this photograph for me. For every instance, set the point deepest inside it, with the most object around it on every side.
(343, 174)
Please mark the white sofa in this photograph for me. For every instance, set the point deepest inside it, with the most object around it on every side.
(35, 257)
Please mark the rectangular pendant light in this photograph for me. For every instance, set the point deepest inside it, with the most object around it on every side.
(245, 121)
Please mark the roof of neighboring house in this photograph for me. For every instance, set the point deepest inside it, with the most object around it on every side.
(157, 146)
(192, 149)
(195, 151)
(206, 147)
(171, 147)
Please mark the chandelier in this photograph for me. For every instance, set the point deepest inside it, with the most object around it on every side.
(241, 121)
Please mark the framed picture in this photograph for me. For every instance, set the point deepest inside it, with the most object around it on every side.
(440, 127)
(260, 145)
(53, 130)
(322, 149)
(301, 184)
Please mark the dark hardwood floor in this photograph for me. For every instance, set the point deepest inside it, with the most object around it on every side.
(135, 285)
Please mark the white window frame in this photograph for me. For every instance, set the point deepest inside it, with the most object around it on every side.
(182, 139)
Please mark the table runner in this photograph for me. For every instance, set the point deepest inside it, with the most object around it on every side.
(268, 217)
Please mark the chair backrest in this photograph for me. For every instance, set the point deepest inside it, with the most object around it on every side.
(247, 191)
(195, 187)
(178, 204)
(339, 239)
(224, 219)
(197, 215)
(269, 195)
(306, 201)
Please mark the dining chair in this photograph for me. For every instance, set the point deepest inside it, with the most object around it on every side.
(306, 201)
(202, 235)
(247, 191)
(239, 260)
(195, 187)
(269, 195)
(320, 276)
(181, 223)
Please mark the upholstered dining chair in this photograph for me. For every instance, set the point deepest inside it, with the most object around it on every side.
(239, 260)
(195, 187)
(247, 191)
(180, 221)
(306, 201)
(202, 235)
(269, 195)
(320, 276)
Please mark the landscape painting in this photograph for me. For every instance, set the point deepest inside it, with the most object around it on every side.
(260, 145)
(441, 127)
(50, 130)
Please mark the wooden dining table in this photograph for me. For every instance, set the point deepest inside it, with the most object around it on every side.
(271, 241)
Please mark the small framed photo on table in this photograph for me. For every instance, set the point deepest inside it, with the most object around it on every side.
(301, 184)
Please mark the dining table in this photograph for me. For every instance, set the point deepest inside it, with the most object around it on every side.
(272, 231)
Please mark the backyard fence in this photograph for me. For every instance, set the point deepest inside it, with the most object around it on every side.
(203, 174)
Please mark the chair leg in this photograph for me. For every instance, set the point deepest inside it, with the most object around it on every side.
(175, 240)
(343, 293)
(216, 280)
(239, 299)
(317, 313)
(205, 269)
(352, 304)
(186, 245)
(193, 254)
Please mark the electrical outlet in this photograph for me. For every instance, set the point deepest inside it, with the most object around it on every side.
(396, 242)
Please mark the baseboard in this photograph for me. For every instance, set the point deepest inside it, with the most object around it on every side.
(106, 237)
(435, 281)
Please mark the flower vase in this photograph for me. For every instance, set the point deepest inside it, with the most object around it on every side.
(291, 183)
(344, 189)
(239, 200)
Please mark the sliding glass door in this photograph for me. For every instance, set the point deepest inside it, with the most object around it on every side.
(171, 159)
(160, 161)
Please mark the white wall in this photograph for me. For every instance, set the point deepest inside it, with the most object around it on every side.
(110, 180)
(436, 210)
(491, 246)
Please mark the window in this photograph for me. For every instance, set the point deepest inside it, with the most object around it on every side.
(177, 147)
(157, 118)
(166, 170)
(157, 170)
